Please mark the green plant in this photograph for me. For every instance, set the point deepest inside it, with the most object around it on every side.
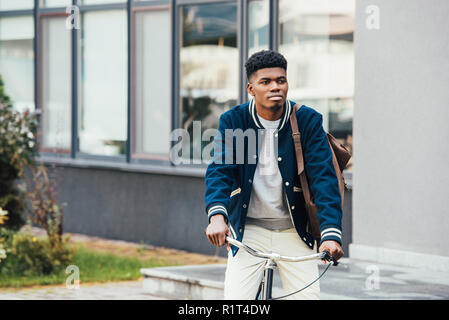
(31, 256)
(3, 218)
(45, 210)
(18, 149)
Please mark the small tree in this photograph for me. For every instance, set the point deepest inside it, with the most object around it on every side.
(17, 149)
(45, 210)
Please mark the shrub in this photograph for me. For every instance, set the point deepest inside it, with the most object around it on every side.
(44, 210)
(3, 238)
(30, 256)
(17, 149)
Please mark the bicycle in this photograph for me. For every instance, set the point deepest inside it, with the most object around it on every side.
(266, 285)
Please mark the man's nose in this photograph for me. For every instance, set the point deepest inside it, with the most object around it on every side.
(275, 86)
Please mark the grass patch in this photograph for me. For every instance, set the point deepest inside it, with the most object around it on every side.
(94, 266)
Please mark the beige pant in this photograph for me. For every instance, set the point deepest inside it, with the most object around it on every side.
(244, 272)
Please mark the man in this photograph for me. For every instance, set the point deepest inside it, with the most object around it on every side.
(261, 199)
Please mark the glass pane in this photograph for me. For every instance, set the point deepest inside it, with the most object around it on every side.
(16, 4)
(103, 89)
(56, 84)
(100, 1)
(55, 3)
(152, 92)
(258, 16)
(209, 66)
(316, 37)
(17, 60)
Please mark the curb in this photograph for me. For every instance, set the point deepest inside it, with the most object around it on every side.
(168, 283)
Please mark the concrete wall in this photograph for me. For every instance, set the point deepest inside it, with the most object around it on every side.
(137, 205)
(158, 209)
(401, 133)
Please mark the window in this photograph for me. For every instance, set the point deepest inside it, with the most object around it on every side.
(316, 37)
(55, 74)
(152, 118)
(16, 4)
(102, 113)
(209, 66)
(100, 1)
(55, 3)
(17, 60)
(258, 17)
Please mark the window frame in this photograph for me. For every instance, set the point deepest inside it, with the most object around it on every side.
(139, 7)
(43, 14)
(77, 65)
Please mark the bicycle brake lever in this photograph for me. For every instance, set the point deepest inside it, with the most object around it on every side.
(328, 257)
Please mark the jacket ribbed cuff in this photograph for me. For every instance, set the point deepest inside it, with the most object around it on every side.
(331, 233)
(217, 209)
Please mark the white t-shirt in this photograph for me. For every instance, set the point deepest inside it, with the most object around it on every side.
(267, 200)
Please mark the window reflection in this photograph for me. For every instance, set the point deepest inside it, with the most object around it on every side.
(152, 90)
(17, 60)
(258, 16)
(316, 37)
(99, 1)
(56, 84)
(209, 65)
(103, 89)
(55, 3)
(16, 4)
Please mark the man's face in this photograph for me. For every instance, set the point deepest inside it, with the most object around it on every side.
(269, 88)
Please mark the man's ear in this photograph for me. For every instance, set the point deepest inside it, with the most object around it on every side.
(249, 88)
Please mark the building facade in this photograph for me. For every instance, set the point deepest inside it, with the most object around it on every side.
(114, 80)
(401, 150)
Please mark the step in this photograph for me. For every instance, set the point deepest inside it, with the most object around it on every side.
(197, 282)
(351, 279)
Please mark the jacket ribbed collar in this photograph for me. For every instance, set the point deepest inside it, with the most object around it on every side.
(284, 118)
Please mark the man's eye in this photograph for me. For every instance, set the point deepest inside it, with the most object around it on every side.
(282, 81)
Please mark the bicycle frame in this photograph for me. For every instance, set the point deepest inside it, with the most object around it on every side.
(266, 284)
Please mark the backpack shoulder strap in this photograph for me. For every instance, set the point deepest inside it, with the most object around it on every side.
(297, 139)
(299, 155)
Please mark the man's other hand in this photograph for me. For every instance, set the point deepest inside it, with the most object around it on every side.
(217, 230)
(333, 247)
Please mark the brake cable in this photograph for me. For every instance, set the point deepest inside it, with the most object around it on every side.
(325, 270)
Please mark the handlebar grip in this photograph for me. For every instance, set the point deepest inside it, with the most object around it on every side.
(328, 257)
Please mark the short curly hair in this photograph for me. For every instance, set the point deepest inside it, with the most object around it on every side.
(264, 59)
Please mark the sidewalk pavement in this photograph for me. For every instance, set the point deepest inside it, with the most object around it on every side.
(351, 279)
(123, 290)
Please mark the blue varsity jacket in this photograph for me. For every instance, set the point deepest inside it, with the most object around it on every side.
(229, 183)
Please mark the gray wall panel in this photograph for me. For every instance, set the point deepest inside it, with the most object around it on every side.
(401, 172)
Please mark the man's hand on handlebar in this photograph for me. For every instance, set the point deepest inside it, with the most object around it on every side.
(217, 230)
(333, 247)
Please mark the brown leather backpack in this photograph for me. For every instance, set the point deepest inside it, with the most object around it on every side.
(340, 156)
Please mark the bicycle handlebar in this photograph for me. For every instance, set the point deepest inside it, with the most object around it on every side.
(325, 255)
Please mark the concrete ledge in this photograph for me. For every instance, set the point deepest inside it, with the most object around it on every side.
(172, 282)
(399, 257)
(198, 282)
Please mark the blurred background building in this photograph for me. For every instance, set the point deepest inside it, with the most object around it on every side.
(114, 78)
